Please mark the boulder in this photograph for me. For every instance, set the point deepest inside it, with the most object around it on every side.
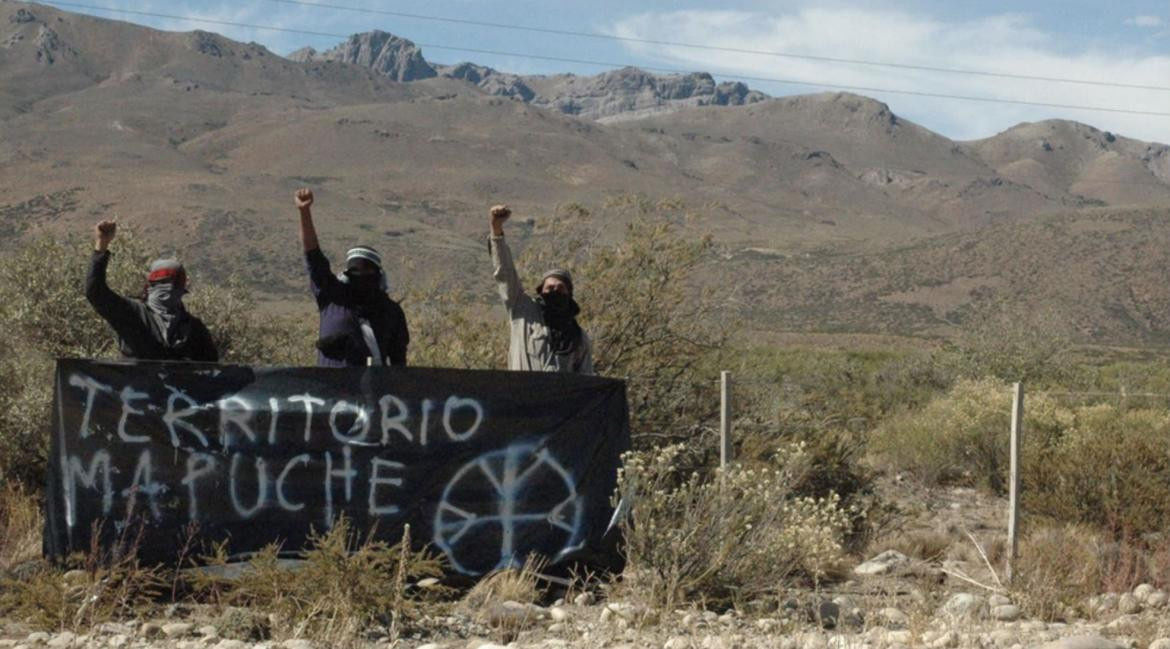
(882, 564)
(964, 606)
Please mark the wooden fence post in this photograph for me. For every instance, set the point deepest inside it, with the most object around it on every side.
(1014, 485)
(724, 419)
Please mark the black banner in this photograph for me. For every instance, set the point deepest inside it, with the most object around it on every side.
(485, 466)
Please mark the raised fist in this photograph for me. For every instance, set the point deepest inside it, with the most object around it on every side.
(104, 233)
(500, 213)
(304, 198)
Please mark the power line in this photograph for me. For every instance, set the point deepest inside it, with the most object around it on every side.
(717, 48)
(608, 64)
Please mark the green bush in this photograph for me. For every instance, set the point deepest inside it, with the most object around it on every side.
(962, 437)
(1109, 467)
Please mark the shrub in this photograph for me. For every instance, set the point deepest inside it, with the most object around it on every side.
(641, 301)
(727, 538)
(97, 587)
(45, 316)
(855, 389)
(20, 526)
(1014, 343)
(345, 585)
(636, 278)
(1110, 467)
(1061, 567)
(448, 330)
(962, 437)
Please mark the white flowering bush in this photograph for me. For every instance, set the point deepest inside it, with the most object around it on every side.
(730, 536)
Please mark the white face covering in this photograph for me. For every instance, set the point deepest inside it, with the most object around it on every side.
(165, 303)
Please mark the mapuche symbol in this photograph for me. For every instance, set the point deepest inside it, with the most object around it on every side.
(520, 498)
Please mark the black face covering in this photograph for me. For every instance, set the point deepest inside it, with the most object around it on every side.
(560, 315)
(363, 284)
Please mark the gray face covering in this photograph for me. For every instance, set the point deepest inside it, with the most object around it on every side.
(165, 302)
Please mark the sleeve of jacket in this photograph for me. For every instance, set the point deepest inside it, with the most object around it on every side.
(202, 344)
(115, 309)
(399, 336)
(504, 272)
(586, 366)
(322, 281)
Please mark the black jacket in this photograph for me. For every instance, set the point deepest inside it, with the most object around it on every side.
(138, 334)
(340, 341)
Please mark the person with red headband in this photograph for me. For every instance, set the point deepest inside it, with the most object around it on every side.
(156, 327)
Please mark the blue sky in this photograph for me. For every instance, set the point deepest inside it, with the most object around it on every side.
(1126, 42)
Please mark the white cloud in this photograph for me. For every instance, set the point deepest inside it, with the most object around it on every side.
(1007, 43)
(212, 15)
(1145, 21)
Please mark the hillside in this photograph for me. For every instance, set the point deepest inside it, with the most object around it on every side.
(198, 142)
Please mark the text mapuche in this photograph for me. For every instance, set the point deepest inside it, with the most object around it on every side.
(230, 443)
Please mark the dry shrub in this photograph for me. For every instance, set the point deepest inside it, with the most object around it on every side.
(510, 585)
(86, 590)
(962, 437)
(343, 586)
(1110, 467)
(503, 600)
(20, 526)
(448, 330)
(1059, 567)
(44, 315)
(636, 275)
(727, 538)
(1014, 343)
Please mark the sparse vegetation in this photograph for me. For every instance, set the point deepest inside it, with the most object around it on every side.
(730, 537)
(45, 316)
(344, 585)
(814, 429)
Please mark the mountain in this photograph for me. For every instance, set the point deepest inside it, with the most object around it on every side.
(384, 54)
(619, 94)
(830, 211)
(1057, 156)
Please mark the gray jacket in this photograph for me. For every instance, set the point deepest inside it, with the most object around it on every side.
(528, 347)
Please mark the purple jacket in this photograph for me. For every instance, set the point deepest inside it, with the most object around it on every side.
(340, 340)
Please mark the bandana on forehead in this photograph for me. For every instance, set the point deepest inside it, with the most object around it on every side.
(363, 252)
(164, 270)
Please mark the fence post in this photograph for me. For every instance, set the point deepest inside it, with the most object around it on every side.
(1014, 484)
(724, 419)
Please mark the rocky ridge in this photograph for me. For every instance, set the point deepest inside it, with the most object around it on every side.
(618, 94)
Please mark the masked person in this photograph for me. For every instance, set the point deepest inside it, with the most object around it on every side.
(157, 327)
(545, 334)
(360, 324)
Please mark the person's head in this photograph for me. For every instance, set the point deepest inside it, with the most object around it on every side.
(363, 267)
(167, 271)
(556, 281)
(166, 284)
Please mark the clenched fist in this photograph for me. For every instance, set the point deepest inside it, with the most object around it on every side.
(500, 213)
(304, 198)
(104, 233)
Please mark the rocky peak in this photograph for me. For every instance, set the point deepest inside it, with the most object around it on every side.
(634, 91)
(382, 52)
(490, 81)
(628, 92)
(303, 55)
(22, 15)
